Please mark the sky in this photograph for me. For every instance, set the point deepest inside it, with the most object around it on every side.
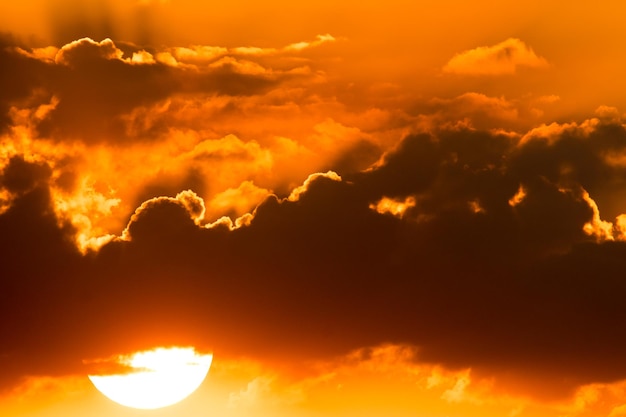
(408, 208)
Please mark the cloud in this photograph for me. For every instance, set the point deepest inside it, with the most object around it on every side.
(320, 39)
(236, 201)
(477, 110)
(393, 207)
(167, 112)
(437, 224)
(323, 272)
(85, 50)
(472, 110)
(19, 176)
(21, 75)
(293, 47)
(502, 58)
(119, 78)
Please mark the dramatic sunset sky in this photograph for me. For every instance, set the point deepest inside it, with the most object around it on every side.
(361, 209)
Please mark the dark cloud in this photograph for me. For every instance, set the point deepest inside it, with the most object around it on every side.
(40, 270)
(19, 76)
(580, 156)
(98, 84)
(20, 176)
(95, 87)
(490, 266)
(467, 276)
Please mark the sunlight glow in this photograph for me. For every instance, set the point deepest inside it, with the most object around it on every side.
(161, 377)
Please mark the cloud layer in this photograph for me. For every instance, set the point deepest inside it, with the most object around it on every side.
(249, 200)
(498, 251)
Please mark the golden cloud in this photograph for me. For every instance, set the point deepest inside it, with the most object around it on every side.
(87, 48)
(392, 206)
(502, 58)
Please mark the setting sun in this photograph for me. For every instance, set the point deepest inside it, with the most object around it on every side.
(158, 378)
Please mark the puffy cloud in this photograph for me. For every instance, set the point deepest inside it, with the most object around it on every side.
(502, 58)
(85, 50)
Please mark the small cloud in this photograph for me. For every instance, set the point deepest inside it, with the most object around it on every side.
(87, 49)
(503, 58)
(197, 54)
(608, 114)
(142, 57)
(475, 206)
(518, 197)
(596, 227)
(319, 40)
(392, 206)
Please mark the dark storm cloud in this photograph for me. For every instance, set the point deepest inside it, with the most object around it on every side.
(469, 275)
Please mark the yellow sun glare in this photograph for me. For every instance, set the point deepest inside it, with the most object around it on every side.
(161, 377)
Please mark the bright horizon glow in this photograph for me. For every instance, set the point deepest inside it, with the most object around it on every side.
(163, 377)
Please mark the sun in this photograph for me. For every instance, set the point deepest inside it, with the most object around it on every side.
(157, 378)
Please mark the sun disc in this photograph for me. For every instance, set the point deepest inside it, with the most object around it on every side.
(160, 377)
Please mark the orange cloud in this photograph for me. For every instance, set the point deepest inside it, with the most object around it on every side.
(320, 39)
(236, 201)
(394, 207)
(502, 58)
(87, 48)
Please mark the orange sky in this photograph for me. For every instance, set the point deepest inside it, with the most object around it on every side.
(398, 209)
